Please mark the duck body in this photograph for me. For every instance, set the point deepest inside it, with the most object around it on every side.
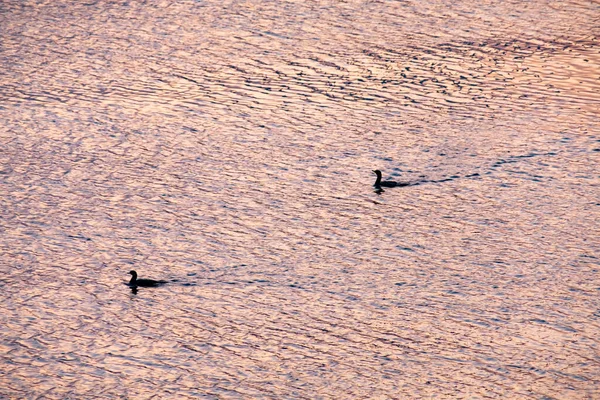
(391, 184)
(135, 282)
(379, 184)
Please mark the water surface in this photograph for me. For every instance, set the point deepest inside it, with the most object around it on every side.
(227, 147)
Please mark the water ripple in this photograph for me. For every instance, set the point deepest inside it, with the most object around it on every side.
(228, 147)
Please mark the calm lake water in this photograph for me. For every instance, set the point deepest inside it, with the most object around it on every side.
(227, 147)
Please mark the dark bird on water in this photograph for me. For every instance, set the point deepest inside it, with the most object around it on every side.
(135, 282)
(379, 184)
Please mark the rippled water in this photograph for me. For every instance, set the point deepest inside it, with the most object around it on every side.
(228, 148)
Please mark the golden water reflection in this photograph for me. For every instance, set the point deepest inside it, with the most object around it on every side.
(228, 148)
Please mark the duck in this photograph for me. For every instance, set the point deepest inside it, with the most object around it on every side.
(379, 184)
(135, 282)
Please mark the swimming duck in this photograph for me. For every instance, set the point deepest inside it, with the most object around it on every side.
(378, 184)
(135, 282)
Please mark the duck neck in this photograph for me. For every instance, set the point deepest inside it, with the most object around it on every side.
(133, 279)
(378, 181)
